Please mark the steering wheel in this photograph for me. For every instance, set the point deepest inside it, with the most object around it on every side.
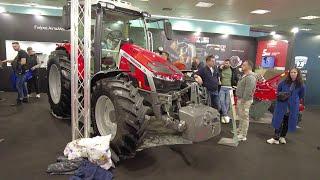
(114, 35)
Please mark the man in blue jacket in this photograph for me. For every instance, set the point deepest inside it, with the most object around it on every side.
(210, 79)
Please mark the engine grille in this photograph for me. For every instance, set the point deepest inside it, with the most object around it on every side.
(164, 86)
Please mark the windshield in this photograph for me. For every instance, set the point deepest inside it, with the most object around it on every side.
(120, 26)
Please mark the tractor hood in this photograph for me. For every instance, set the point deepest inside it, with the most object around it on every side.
(160, 67)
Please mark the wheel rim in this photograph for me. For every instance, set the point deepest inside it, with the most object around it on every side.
(105, 116)
(55, 84)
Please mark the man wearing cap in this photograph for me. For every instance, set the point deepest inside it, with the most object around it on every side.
(33, 83)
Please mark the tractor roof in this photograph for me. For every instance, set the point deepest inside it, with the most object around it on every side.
(117, 3)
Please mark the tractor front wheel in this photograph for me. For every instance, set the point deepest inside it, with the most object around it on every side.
(117, 109)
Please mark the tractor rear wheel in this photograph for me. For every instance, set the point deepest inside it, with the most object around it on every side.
(58, 92)
(117, 109)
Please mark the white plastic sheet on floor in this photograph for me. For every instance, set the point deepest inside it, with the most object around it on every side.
(96, 149)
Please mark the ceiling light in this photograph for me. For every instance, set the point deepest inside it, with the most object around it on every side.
(309, 17)
(273, 33)
(144, 0)
(269, 25)
(36, 12)
(204, 4)
(2, 10)
(187, 17)
(198, 32)
(32, 4)
(305, 29)
(260, 11)
(25, 5)
(276, 36)
(231, 21)
(295, 30)
(225, 36)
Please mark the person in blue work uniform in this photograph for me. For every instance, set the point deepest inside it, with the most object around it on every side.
(285, 116)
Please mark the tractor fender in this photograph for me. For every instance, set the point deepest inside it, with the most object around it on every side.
(105, 74)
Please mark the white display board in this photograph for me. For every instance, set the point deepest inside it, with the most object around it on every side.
(43, 49)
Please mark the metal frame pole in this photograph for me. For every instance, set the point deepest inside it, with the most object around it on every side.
(87, 65)
(80, 86)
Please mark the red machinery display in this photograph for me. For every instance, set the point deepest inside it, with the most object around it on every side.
(140, 85)
(267, 90)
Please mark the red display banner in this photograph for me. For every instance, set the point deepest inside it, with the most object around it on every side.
(278, 49)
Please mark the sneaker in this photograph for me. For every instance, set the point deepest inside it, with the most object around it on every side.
(25, 100)
(282, 140)
(227, 119)
(223, 120)
(273, 141)
(241, 138)
(38, 96)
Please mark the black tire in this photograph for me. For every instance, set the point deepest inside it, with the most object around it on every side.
(61, 108)
(129, 116)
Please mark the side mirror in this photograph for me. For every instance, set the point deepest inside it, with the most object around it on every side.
(66, 16)
(168, 30)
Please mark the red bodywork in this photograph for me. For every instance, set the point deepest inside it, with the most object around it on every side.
(145, 61)
(267, 90)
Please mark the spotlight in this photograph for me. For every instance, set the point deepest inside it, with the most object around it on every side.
(295, 30)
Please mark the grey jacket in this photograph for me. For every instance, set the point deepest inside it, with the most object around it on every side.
(246, 87)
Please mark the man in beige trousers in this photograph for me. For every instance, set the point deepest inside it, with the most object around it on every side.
(245, 90)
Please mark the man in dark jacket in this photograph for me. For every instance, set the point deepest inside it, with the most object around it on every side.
(229, 79)
(33, 83)
(19, 65)
(196, 64)
(210, 78)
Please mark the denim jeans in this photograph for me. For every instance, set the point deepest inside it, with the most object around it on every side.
(224, 96)
(21, 86)
(215, 101)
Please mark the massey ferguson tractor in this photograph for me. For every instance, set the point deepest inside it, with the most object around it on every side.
(135, 85)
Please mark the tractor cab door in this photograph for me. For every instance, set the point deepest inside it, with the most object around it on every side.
(115, 32)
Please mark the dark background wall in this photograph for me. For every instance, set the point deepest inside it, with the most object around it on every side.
(209, 43)
(309, 45)
(27, 28)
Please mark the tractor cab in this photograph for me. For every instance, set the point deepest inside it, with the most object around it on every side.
(115, 23)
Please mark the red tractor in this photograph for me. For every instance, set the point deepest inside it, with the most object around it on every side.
(136, 85)
(266, 95)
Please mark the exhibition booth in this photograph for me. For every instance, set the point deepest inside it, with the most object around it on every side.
(267, 52)
(123, 81)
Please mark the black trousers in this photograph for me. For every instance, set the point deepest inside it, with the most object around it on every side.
(282, 132)
(33, 85)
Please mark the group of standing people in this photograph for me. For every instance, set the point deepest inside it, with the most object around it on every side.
(21, 64)
(221, 80)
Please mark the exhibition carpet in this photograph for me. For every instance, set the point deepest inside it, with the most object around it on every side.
(33, 139)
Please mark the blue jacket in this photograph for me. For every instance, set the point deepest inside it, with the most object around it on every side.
(210, 80)
(293, 105)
